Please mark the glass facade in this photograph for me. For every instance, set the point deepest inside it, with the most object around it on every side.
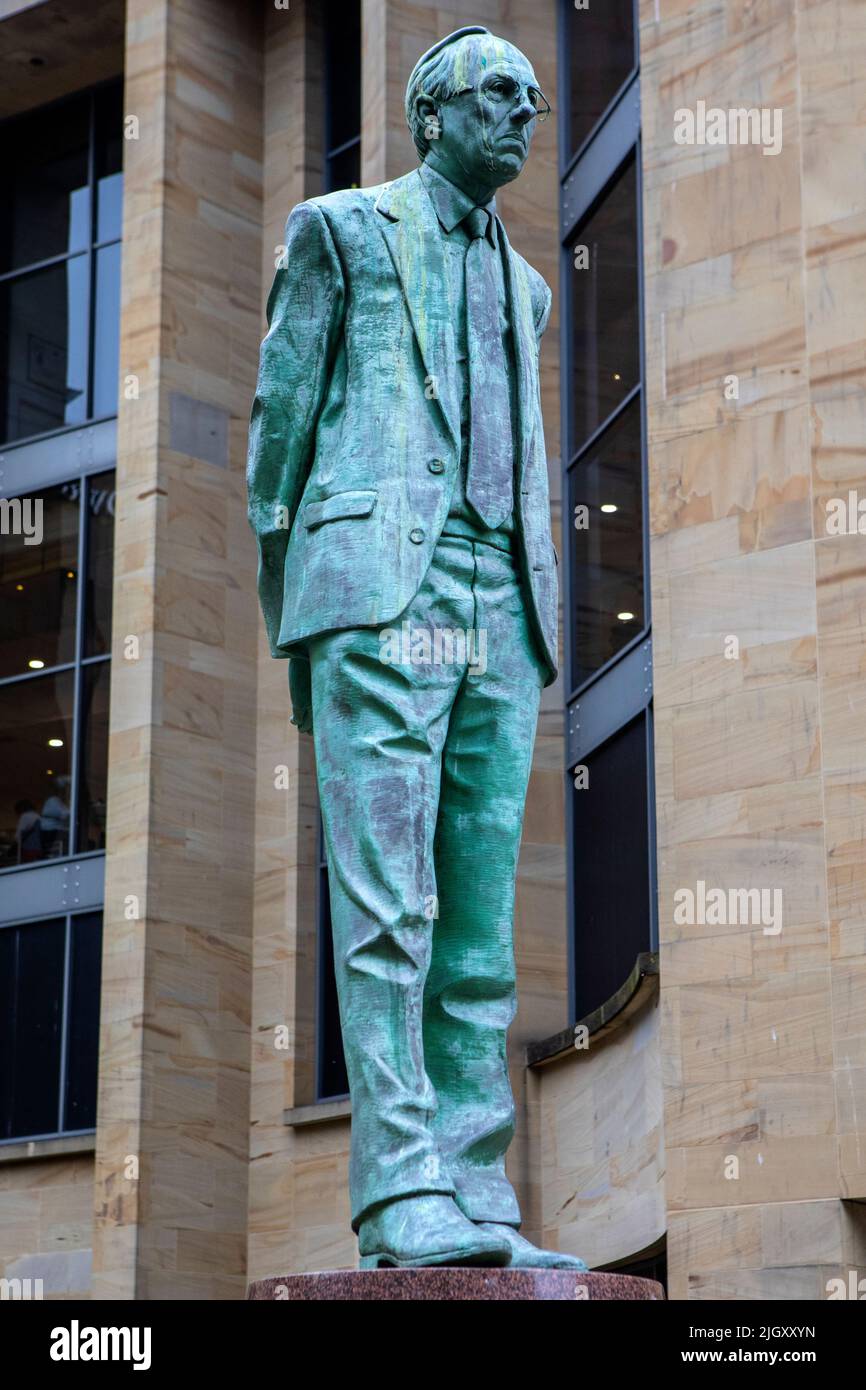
(341, 36)
(60, 230)
(60, 265)
(342, 46)
(55, 620)
(49, 1025)
(608, 662)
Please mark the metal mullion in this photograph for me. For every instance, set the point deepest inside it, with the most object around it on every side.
(606, 424)
(568, 161)
(341, 149)
(91, 278)
(644, 446)
(83, 500)
(95, 660)
(36, 675)
(64, 1021)
(33, 269)
(579, 692)
(653, 885)
(596, 130)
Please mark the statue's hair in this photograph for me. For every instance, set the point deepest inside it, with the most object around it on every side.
(439, 74)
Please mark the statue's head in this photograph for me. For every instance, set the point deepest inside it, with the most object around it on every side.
(472, 104)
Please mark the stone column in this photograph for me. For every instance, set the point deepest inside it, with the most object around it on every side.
(172, 1140)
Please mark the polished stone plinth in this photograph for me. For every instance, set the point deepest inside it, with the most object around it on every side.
(451, 1283)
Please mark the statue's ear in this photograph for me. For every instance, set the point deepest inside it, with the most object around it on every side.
(425, 107)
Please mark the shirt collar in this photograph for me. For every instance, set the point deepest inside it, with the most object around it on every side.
(451, 204)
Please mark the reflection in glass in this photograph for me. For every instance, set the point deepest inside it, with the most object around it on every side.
(82, 1026)
(342, 26)
(43, 349)
(31, 1012)
(93, 777)
(106, 342)
(605, 348)
(45, 192)
(611, 866)
(607, 547)
(36, 753)
(38, 583)
(100, 563)
(601, 56)
(109, 162)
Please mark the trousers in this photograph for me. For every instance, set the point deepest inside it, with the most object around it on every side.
(424, 734)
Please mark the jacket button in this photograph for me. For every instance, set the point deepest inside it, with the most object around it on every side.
(436, 466)
(416, 536)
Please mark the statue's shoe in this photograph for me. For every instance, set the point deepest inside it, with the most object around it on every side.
(415, 1231)
(525, 1255)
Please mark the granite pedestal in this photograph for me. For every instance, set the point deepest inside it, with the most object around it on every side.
(446, 1283)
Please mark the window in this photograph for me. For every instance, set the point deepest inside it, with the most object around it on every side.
(60, 265)
(342, 34)
(342, 123)
(49, 1026)
(55, 629)
(331, 1079)
(60, 229)
(608, 657)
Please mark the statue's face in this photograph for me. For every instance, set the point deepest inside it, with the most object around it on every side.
(486, 130)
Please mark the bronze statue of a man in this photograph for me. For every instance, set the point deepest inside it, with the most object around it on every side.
(398, 492)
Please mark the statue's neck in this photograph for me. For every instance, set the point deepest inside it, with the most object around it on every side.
(480, 194)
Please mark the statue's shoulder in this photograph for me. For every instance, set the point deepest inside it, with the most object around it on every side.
(347, 202)
(538, 286)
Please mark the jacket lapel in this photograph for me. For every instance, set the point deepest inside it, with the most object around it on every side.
(414, 240)
(525, 348)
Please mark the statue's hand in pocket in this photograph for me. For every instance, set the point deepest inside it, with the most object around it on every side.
(300, 693)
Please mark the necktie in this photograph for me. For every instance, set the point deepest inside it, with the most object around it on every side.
(491, 452)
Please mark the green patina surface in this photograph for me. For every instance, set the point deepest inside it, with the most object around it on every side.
(360, 433)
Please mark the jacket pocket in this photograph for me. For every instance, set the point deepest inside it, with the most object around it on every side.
(339, 506)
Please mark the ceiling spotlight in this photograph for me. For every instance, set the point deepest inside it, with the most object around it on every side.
(608, 506)
(625, 617)
(35, 664)
(55, 743)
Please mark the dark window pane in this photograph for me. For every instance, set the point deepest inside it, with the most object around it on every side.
(43, 350)
(344, 170)
(611, 867)
(607, 552)
(333, 1080)
(39, 582)
(601, 56)
(106, 343)
(605, 347)
(31, 995)
(35, 764)
(44, 175)
(82, 1033)
(342, 21)
(100, 563)
(93, 777)
(109, 162)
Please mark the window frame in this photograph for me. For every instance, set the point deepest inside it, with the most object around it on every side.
(68, 914)
(73, 454)
(88, 251)
(622, 689)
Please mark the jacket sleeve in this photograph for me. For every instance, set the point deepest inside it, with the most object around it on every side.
(542, 311)
(305, 315)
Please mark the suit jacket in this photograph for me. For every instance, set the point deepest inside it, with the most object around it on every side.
(355, 427)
